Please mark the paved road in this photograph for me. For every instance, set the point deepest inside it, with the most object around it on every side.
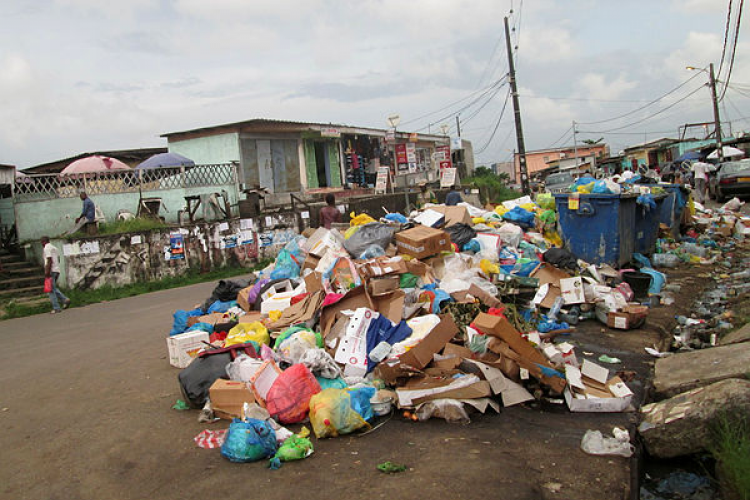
(86, 413)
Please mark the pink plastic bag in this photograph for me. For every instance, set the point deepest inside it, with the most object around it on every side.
(289, 396)
(48, 284)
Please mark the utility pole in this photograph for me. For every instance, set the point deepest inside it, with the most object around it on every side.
(575, 145)
(717, 121)
(517, 111)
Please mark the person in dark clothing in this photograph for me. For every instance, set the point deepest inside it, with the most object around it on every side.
(329, 213)
(453, 197)
(88, 213)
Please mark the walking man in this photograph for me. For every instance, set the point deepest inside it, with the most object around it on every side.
(89, 213)
(52, 270)
(700, 176)
(329, 213)
(453, 197)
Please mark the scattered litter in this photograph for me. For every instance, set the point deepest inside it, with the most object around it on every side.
(595, 443)
(391, 467)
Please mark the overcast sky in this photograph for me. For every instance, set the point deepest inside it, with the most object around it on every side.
(86, 75)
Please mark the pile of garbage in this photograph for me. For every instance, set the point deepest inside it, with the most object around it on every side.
(449, 311)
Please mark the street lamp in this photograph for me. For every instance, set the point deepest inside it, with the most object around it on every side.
(715, 102)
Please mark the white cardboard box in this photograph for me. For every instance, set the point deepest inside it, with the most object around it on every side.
(183, 348)
(596, 405)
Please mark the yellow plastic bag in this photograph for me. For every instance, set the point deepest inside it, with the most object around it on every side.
(274, 316)
(331, 414)
(358, 220)
(488, 267)
(553, 238)
(530, 207)
(245, 332)
(350, 232)
(500, 210)
(478, 220)
(585, 188)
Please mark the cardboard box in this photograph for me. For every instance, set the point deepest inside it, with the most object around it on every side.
(301, 312)
(382, 266)
(185, 347)
(596, 405)
(391, 306)
(474, 292)
(454, 215)
(419, 390)
(383, 286)
(242, 299)
(571, 290)
(421, 355)
(311, 262)
(250, 317)
(632, 316)
(323, 240)
(263, 379)
(422, 270)
(354, 299)
(211, 319)
(422, 241)
(313, 282)
(228, 397)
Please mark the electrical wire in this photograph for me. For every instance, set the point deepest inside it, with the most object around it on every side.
(726, 36)
(645, 105)
(497, 124)
(734, 50)
(564, 136)
(650, 116)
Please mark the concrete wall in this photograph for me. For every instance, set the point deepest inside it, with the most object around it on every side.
(54, 217)
(130, 258)
(7, 214)
(209, 150)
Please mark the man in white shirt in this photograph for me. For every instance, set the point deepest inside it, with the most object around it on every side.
(52, 270)
(700, 175)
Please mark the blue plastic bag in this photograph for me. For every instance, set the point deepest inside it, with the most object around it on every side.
(179, 324)
(472, 246)
(520, 216)
(646, 201)
(397, 218)
(642, 259)
(221, 307)
(371, 252)
(206, 327)
(331, 383)
(600, 187)
(286, 266)
(360, 401)
(249, 441)
(657, 279)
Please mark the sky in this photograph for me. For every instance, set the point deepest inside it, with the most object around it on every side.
(89, 75)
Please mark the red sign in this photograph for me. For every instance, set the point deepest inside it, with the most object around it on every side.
(401, 153)
(445, 164)
(443, 154)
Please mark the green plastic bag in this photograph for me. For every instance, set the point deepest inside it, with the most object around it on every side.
(545, 201)
(408, 280)
(294, 448)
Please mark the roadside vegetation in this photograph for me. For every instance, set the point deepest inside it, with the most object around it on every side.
(494, 187)
(732, 453)
(81, 298)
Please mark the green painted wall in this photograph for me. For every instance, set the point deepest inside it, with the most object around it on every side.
(7, 217)
(222, 148)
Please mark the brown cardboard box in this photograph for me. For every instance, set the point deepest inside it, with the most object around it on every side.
(421, 354)
(549, 274)
(354, 298)
(228, 397)
(422, 241)
(382, 266)
(242, 298)
(211, 319)
(313, 282)
(454, 215)
(474, 292)
(250, 317)
(311, 262)
(422, 270)
(391, 306)
(391, 373)
(632, 316)
(383, 286)
(300, 312)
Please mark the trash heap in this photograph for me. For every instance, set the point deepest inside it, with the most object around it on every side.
(449, 311)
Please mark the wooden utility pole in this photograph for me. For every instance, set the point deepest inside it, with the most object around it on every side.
(517, 111)
(717, 121)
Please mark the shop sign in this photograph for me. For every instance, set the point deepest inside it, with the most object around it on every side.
(413, 137)
(330, 132)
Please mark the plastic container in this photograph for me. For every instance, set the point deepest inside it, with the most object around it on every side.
(647, 226)
(600, 229)
(665, 260)
(639, 283)
(695, 249)
(670, 211)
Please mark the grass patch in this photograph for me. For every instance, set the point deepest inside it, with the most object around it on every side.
(493, 187)
(137, 225)
(731, 449)
(81, 298)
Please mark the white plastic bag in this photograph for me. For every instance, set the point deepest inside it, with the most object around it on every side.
(243, 368)
(594, 443)
(320, 363)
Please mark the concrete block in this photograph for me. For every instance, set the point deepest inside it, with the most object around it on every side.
(688, 370)
(737, 336)
(682, 425)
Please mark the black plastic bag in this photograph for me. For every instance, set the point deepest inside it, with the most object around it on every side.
(225, 291)
(560, 257)
(373, 233)
(197, 378)
(461, 234)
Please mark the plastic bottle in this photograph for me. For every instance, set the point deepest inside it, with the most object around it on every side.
(555, 309)
(744, 274)
(665, 260)
(694, 249)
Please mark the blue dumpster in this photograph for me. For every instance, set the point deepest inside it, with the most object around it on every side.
(647, 225)
(601, 229)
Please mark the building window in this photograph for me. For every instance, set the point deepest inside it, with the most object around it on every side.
(546, 159)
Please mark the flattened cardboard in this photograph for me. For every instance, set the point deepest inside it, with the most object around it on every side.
(211, 319)
(313, 282)
(549, 274)
(593, 371)
(228, 397)
(454, 215)
(242, 297)
(383, 286)
(422, 241)
(382, 266)
(420, 355)
(354, 299)
(426, 387)
(476, 390)
(302, 311)
(465, 296)
(250, 317)
(501, 328)
(457, 350)
(391, 371)
(391, 306)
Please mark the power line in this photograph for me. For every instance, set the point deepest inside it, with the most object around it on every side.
(734, 50)
(484, 90)
(497, 124)
(585, 99)
(564, 136)
(645, 105)
(650, 116)
(726, 36)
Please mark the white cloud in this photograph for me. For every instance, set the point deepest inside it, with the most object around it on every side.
(597, 86)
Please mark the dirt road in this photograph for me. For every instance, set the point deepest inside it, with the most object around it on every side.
(86, 413)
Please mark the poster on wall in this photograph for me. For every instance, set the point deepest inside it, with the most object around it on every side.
(228, 241)
(176, 246)
(448, 177)
(381, 181)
